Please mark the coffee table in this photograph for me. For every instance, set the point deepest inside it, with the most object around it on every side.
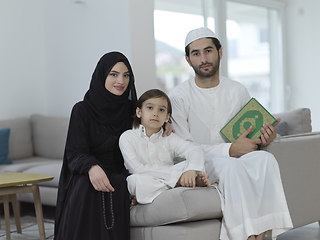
(13, 183)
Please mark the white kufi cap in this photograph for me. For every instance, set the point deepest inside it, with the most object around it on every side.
(198, 33)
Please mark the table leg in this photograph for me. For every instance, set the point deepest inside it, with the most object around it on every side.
(7, 215)
(39, 213)
(16, 211)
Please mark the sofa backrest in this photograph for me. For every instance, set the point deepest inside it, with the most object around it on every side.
(20, 138)
(298, 120)
(49, 135)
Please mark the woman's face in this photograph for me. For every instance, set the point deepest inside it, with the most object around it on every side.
(118, 78)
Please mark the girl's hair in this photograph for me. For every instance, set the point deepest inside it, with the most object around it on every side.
(152, 93)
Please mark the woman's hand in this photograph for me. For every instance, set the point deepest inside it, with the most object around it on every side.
(168, 130)
(99, 179)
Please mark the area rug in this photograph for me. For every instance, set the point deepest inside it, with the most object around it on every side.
(29, 228)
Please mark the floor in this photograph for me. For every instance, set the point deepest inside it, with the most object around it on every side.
(28, 223)
(30, 227)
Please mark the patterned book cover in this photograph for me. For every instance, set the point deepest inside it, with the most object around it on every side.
(253, 113)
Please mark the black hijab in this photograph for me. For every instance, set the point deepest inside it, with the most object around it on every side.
(107, 108)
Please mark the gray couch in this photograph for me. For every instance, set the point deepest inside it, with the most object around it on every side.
(184, 213)
(36, 145)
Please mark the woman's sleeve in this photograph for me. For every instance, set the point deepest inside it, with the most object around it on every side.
(77, 150)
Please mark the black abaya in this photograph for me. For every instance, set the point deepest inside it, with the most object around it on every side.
(83, 213)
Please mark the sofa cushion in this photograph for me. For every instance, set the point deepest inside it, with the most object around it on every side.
(22, 165)
(298, 120)
(178, 205)
(48, 196)
(4, 146)
(20, 140)
(282, 128)
(49, 135)
(207, 229)
(52, 169)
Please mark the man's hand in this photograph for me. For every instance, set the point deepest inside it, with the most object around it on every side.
(268, 133)
(188, 179)
(243, 144)
(99, 179)
(168, 130)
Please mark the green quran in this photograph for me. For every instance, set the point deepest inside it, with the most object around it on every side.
(253, 113)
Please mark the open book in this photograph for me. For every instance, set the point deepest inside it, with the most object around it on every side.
(253, 113)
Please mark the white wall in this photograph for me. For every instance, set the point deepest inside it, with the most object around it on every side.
(76, 36)
(22, 58)
(303, 51)
(49, 49)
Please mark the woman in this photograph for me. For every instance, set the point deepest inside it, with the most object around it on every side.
(93, 200)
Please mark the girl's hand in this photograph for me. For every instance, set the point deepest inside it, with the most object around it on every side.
(188, 179)
(99, 179)
(168, 130)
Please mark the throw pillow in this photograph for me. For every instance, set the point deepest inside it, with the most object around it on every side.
(282, 128)
(4, 146)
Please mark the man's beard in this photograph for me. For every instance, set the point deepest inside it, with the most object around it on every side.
(209, 73)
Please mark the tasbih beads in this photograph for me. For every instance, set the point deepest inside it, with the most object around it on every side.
(104, 211)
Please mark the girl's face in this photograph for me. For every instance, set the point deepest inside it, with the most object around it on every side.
(117, 80)
(153, 114)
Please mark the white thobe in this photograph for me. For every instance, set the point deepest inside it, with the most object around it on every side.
(252, 195)
(150, 160)
(200, 113)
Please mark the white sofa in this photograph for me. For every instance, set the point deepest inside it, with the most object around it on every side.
(188, 214)
(36, 145)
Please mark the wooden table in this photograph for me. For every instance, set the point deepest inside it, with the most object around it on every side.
(13, 183)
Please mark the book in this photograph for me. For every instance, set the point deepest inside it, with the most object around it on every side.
(253, 113)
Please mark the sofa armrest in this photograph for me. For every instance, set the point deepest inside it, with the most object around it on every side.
(299, 161)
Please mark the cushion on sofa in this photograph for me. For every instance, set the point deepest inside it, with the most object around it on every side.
(4, 146)
(282, 128)
(206, 229)
(178, 205)
(48, 196)
(52, 169)
(21, 165)
(20, 140)
(49, 135)
(298, 120)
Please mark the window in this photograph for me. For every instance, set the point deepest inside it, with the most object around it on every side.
(249, 48)
(250, 34)
(172, 22)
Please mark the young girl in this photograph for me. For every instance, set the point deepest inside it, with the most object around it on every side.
(149, 157)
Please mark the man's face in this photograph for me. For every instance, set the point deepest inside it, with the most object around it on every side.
(204, 57)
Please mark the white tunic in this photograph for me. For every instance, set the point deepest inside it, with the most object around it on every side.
(150, 159)
(200, 113)
(252, 195)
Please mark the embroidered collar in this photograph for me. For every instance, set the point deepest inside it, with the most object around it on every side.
(142, 132)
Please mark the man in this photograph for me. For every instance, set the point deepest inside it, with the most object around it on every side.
(244, 177)
(203, 105)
